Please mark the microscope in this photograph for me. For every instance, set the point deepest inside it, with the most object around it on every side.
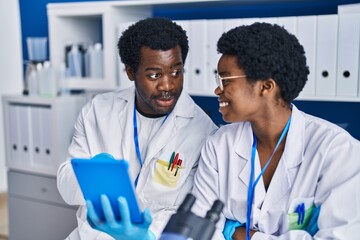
(185, 225)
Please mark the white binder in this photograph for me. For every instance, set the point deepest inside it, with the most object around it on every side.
(289, 23)
(271, 20)
(47, 151)
(232, 23)
(123, 79)
(35, 151)
(14, 134)
(185, 24)
(24, 130)
(348, 55)
(306, 34)
(215, 30)
(326, 55)
(199, 80)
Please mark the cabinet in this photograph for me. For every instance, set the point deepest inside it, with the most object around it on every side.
(38, 132)
(104, 21)
(36, 209)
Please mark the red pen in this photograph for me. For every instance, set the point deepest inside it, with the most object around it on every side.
(178, 165)
(175, 161)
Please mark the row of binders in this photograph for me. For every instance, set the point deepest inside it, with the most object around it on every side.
(331, 43)
(30, 139)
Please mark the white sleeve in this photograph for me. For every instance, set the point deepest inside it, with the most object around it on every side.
(66, 181)
(206, 186)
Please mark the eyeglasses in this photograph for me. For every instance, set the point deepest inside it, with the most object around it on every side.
(219, 80)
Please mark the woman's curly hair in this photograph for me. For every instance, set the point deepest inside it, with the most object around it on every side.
(156, 33)
(266, 51)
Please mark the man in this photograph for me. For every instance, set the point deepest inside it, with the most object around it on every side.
(147, 125)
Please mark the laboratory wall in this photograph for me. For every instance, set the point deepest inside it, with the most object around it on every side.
(10, 67)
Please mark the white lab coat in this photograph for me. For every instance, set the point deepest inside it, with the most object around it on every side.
(106, 125)
(320, 165)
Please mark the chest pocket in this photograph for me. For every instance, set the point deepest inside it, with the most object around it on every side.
(169, 168)
(299, 220)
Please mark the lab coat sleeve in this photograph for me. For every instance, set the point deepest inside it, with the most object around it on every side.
(206, 186)
(66, 181)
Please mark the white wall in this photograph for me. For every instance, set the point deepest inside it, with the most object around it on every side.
(10, 67)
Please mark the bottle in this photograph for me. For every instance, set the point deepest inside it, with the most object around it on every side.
(47, 80)
(75, 61)
(97, 62)
(87, 63)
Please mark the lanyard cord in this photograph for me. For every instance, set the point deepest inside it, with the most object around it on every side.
(136, 140)
(252, 184)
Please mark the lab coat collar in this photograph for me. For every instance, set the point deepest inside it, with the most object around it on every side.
(183, 112)
(243, 148)
(292, 157)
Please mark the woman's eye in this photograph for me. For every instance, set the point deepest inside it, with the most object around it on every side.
(224, 82)
(154, 75)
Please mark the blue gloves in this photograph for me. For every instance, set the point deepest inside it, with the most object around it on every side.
(123, 229)
(230, 227)
(312, 226)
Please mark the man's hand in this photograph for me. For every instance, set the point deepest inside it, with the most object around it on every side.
(123, 229)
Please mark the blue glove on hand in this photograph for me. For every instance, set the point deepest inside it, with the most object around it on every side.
(123, 229)
(312, 226)
(230, 227)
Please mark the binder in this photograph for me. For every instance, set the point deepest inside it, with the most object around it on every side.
(232, 23)
(271, 20)
(24, 130)
(14, 134)
(306, 34)
(215, 29)
(348, 55)
(46, 149)
(36, 125)
(124, 81)
(326, 54)
(198, 46)
(289, 23)
(185, 24)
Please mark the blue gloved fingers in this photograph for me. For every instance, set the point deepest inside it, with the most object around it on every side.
(124, 212)
(102, 156)
(92, 217)
(107, 209)
(147, 218)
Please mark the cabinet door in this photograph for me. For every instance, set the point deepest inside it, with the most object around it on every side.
(33, 220)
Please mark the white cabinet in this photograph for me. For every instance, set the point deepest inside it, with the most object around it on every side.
(104, 21)
(38, 131)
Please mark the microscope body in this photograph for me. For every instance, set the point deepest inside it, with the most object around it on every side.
(186, 225)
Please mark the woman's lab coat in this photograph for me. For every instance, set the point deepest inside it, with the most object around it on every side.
(320, 165)
(106, 125)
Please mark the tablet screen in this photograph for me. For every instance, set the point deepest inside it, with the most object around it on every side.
(105, 175)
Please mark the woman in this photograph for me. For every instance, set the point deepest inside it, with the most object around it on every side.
(274, 166)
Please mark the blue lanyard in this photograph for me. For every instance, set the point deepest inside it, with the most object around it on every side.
(252, 184)
(136, 140)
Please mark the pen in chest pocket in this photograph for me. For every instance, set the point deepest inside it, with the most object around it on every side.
(178, 166)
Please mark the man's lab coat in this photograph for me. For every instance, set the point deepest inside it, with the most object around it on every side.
(105, 124)
(320, 165)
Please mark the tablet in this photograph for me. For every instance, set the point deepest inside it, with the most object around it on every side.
(105, 175)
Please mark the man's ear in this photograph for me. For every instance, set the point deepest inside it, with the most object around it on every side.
(130, 73)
